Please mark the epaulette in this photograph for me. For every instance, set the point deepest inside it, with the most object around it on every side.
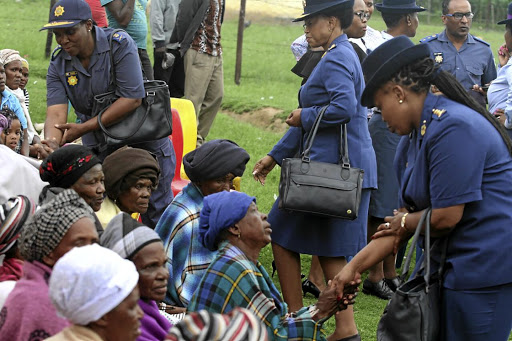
(56, 52)
(481, 40)
(429, 38)
(333, 46)
(119, 36)
(439, 114)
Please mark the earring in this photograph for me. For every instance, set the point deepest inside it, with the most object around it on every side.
(400, 101)
(239, 235)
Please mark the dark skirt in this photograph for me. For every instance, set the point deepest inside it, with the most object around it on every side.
(316, 235)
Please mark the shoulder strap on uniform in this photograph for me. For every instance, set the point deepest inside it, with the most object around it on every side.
(481, 40)
(429, 38)
(56, 52)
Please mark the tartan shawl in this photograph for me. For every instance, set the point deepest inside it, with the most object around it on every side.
(232, 280)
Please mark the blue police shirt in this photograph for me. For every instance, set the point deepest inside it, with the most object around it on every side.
(462, 159)
(9, 100)
(472, 64)
(336, 81)
(137, 27)
(67, 79)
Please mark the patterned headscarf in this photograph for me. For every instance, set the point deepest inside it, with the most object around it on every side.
(4, 123)
(13, 215)
(24, 63)
(126, 236)
(9, 55)
(239, 325)
(89, 281)
(44, 231)
(220, 211)
(66, 165)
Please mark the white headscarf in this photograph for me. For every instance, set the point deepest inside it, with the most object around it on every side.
(9, 55)
(89, 281)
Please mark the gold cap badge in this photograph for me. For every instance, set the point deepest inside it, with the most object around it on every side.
(59, 11)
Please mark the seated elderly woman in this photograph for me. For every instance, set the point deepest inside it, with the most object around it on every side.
(58, 226)
(231, 223)
(131, 174)
(77, 167)
(140, 244)
(99, 297)
(211, 169)
(13, 215)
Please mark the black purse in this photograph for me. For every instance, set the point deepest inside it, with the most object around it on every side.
(151, 121)
(413, 313)
(326, 189)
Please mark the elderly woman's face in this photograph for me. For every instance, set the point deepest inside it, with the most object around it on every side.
(136, 198)
(151, 264)
(73, 39)
(224, 183)
(82, 232)
(318, 30)
(13, 74)
(91, 187)
(254, 228)
(123, 322)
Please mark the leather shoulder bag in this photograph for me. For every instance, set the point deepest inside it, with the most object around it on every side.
(151, 121)
(326, 189)
(413, 313)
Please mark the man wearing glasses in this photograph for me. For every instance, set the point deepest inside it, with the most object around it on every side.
(467, 57)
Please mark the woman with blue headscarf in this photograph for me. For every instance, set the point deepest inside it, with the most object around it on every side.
(231, 223)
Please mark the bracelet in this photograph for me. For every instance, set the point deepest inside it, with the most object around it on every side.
(402, 223)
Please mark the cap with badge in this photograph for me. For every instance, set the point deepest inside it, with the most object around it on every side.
(314, 7)
(68, 13)
(399, 6)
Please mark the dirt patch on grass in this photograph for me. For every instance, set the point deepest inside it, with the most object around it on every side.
(265, 118)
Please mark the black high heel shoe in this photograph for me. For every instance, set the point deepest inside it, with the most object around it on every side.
(273, 267)
(308, 286)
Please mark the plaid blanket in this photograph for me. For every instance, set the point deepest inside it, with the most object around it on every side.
(232, 280)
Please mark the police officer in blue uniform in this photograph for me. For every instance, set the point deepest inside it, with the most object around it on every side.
(79, 70)
(465, 56)
(455, 158)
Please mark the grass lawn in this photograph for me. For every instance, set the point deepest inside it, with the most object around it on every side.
(266, 82)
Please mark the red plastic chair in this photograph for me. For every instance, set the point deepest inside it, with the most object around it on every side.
(177, 140)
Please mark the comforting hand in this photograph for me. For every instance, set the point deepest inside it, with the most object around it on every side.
(71, 131)
(262, 168)
(293, 119)
(346, 282)
(48, 147)
(393, 227)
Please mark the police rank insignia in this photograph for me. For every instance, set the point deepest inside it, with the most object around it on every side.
(438, 112)
(438, 57)
(424, 127)
(72, 78)
(117, 37)
(59, 11)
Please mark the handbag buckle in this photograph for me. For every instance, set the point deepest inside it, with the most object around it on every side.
(150, 93)
(305, 159)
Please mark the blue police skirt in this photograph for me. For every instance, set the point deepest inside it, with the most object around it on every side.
(384, 199)
(315, 235)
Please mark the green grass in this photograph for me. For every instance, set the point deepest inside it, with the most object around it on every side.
(266, 82)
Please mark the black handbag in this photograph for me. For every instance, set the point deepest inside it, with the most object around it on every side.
(321, 188)
(413, 313)
(151, 121)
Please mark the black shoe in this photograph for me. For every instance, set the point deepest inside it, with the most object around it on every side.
(379, 289)
(308, 286)
(273, 267)
(392, 283)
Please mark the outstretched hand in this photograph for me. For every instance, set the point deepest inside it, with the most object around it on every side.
(346, 283)
(71, 131)
(393, 227)
(328, 302)
(262, 168)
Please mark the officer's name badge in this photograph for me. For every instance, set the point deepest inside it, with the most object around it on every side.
(72, 78)
(438, 57)
(438, 112)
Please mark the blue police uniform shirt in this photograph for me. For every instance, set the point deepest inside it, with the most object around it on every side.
(472, 64)
(462, 159)
(67, 79)
(10, 101)
(137, 27)
(336, 81)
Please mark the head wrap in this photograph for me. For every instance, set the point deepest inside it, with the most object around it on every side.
(66, 165)
(220, 211)
(9, 55)
(239, 325)
(215, 159)
(126, 236)
(45, 229)
(89, 281)
(24, 63)
(4, 123)
(128, 161)
(13, 215)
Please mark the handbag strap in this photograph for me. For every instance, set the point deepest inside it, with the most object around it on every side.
(113, 84)
(344, 146)
(408, 259)
(311, 137)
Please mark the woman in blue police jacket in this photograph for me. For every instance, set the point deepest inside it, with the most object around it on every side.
(80, 70)
(456, 158)
(337, 81)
